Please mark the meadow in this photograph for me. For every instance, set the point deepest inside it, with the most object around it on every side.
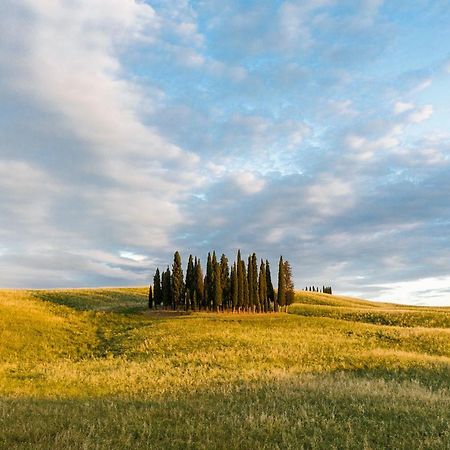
(94, 369)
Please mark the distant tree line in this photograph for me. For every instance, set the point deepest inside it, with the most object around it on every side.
(243, 287)
(324, 290)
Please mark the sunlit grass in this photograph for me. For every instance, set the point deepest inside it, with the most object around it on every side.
(308, 378)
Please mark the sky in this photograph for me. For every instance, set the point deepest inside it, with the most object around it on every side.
(317, 129)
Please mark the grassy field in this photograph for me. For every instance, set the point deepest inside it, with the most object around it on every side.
(94, 369)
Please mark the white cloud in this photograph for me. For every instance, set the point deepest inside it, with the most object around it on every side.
(248, 182)
(431, 156)
(423, 291)
(132, 256)
(117, 185)
(401, 107)
(421, 114)
(330, 195)
(355, 142)
(188, 32)
(364, 149)
(188, 56)
(423, 85)
(26, 193)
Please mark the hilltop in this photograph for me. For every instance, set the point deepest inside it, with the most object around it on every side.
(93, 368)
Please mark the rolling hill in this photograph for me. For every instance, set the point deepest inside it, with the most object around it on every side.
(93, 368)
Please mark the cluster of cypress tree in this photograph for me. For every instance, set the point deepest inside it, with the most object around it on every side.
(243, 287)
(325, 289)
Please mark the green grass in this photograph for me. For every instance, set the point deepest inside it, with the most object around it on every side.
(94, 369)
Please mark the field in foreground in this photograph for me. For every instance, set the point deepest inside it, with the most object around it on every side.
(94, 369)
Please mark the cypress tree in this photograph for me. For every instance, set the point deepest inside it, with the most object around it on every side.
(245, 300)
(190, 288)
(254, 293)
(234, 287)
(205, 293)
(250, 283)
(217, 296)
(289, 283)
(225, 281)
(209, 282)
(150, 297)
(262, 287)
(157, 288)
(199, 286)
(243, 286)
(177, 281)
(281, 293)
(269, 285)
(166, 286)
(240, 277)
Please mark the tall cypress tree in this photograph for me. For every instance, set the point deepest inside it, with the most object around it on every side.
(234, 287)
(281, 294)
(269, 284)
(150, 297)
(240, 277)
(252, 276)
(255, 290)
(289, 283)
(251, 299)
(166, 287)
(262, 287)
(217, 294)
(209, 282)
(225, 281)
(190, 284)
(199, 286)
(177, 281)
(245, 300)
(157, 293)
(245, 286)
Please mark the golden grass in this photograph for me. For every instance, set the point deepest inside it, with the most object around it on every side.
(65, 347)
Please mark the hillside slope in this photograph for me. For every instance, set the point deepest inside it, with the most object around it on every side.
(352, 309)
(93, 368)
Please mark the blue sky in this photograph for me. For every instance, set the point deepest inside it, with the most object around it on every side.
(313, 129)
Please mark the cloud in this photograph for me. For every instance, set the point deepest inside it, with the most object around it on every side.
(364, 148)
(401, 107)
(65, 69)
(330, 195)
(133, 128)
(424, 291)
(423, 85)
(132, 256)
(421, 114)
(248, 182)
(343, 107)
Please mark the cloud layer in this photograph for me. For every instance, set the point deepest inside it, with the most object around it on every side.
(313, 129)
